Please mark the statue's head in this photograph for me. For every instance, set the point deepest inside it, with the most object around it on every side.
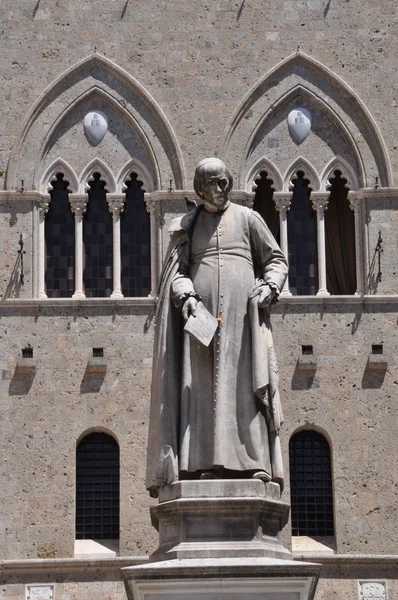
(212, 183)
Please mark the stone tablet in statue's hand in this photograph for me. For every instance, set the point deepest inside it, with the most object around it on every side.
(189, 307)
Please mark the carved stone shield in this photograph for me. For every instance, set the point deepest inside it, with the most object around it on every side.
(372, 590)
(95, 126)
(299, 122)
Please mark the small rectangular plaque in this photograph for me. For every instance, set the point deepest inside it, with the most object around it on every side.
(39, 592)
(202, 326)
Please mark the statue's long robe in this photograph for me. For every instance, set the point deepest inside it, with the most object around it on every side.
(216, 406)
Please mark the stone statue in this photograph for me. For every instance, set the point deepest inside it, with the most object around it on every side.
(215, 410)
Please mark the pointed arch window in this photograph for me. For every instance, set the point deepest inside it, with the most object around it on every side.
(97, 239)
(59, 241)
(264, 204)
(302, 236)
(311, 485)
(340, 239)
(97, 488)
(135, 242)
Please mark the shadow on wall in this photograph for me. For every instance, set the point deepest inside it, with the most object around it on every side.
(304, 379)
(21, 383)
(14, 285)
(373, 380)
(92, 381)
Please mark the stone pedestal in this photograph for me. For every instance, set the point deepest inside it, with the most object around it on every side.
(222, 579)
(220, 540)
(220, 519)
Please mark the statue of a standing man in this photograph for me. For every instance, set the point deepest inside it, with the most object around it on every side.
(215, 410)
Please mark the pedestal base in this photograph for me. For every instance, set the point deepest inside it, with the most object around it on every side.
(222, 579)
(220, 540)
(220, 519)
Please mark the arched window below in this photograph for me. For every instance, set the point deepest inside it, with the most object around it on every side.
(311, 485)
(60, 240)
(97, 488)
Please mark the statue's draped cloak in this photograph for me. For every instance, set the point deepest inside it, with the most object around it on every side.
(216, 406)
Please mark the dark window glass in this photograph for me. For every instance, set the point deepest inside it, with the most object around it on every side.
(340, 239)
(97, 488)
(135, 232)
(60, 240)
(264, 204)
(311, 485)
(302, 236)
(97, 236)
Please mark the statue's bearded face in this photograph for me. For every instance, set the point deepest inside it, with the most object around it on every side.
(215, 186)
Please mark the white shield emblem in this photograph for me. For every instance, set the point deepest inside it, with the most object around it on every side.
(299, 122)
(95, 126)
(372, 590)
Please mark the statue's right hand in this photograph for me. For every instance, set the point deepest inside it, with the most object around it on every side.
(189, 307)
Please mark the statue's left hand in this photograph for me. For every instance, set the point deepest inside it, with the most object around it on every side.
(265, 296)
(264, 293)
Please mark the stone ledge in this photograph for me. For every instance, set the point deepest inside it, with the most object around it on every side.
(232, 567)
(150, 301)
(387, 560)
(71, 565)
(71, 302)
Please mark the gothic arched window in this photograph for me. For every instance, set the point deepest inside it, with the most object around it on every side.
(264, 204)
(60, 240)
(135, 242)
(97, 237)
(302, 236)
(340, 239)
(97, 488)
(311, 485)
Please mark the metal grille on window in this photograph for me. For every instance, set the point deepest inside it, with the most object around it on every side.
(135, 226)
(97, 234)
(311, 485)
(97, 488)
(60, 240)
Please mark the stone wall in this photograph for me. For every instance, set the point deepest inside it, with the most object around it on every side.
(181, 81)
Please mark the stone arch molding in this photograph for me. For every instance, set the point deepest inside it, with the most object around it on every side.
(339, 164)
(134, 166)
(307, 80)
(272, 171)
(303, 165)
(87, 176)
(59, 166)
(98, 76)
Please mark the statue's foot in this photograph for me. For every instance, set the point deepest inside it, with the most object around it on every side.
(261, 475)
(209, 475)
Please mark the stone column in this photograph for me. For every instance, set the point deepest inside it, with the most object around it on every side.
(283, 201)
(43, 210)
(116, 207)
(355, 205)
(152, 207)
(320, 203)
(78, 207)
